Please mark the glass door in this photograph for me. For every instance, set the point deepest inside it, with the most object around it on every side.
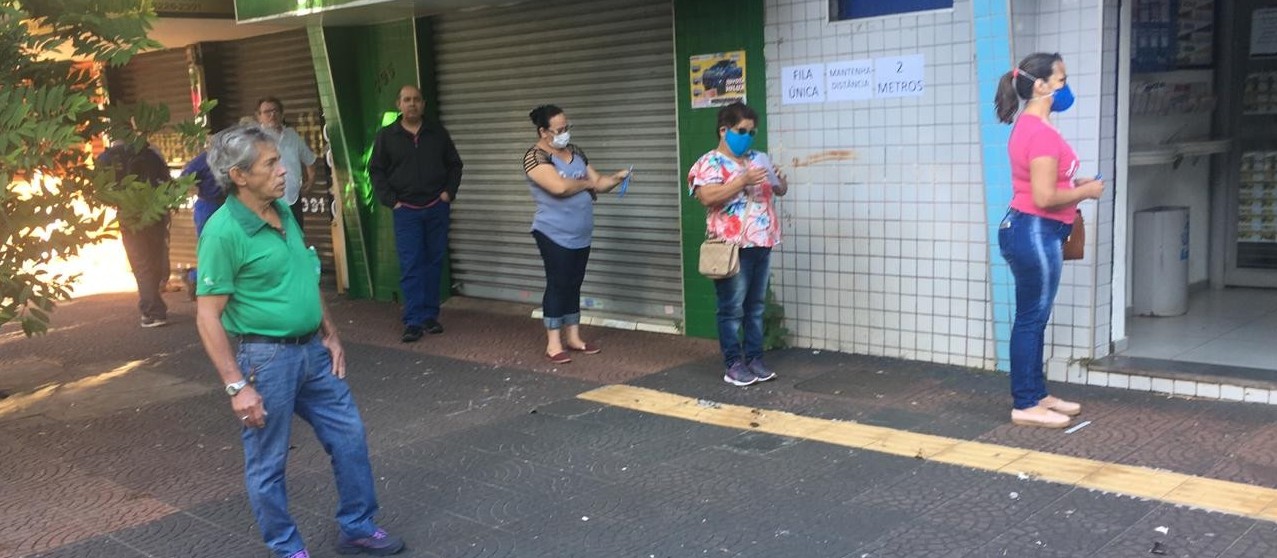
(1249, 88)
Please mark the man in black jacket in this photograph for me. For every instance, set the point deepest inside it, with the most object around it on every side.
(415, 169)
(145, 245)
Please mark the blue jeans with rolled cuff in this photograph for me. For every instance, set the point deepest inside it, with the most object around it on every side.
(298, 379)
(1033, 247)
(564, 273)
(742, 299)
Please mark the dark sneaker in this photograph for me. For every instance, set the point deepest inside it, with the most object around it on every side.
(154, 322)
(412, 334)
(760, 370)
(433, 327)
(738, 375)
(300, 554)
(377, 544)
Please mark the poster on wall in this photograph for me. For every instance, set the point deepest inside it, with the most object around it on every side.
(850, 80)
(1263, 32)
(900, 76)
(718, 79)
(802, 84)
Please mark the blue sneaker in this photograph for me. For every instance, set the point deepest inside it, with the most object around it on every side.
(760, 370)
(377, 544)
(738, 375)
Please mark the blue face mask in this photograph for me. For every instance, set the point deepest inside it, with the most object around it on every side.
(739, 143)
(1062, 99)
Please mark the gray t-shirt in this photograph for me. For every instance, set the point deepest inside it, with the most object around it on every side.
(294, 154)
(568, 221)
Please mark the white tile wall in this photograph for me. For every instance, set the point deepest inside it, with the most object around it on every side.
(1167, 386)
(886, 254)
(1084, 32)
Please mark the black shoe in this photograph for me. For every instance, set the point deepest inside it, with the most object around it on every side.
(411, 334)
(433, 327)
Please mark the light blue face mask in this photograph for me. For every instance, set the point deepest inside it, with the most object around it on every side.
(739, 143)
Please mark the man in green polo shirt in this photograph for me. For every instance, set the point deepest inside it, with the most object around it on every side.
(259, 283)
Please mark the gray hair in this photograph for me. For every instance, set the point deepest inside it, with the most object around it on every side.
(236, 148)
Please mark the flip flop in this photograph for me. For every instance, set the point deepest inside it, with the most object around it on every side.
(588, 349)
(559, 358)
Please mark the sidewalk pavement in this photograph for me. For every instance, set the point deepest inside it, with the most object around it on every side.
(117, 442)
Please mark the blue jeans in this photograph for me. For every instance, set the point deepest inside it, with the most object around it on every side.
(1033, 248)
(203, 210)
(298, 379)
(421, 239)
(741, 301)
(564, 273)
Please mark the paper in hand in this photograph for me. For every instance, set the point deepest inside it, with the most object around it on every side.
(762, 160)
(625, 184)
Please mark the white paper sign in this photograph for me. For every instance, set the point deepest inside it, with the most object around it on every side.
(1263, 32)
(899, 76)
(850, 80)
(802, 84)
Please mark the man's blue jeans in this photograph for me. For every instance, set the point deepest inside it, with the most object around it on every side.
(1034, 248)
(421, 239)
(298, 379)
(741, 301)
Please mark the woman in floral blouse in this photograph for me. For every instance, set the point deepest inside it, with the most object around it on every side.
(738, 185)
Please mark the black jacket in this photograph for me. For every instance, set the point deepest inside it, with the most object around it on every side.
(414, 169)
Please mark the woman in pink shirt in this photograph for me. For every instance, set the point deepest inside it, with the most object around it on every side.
(1032, 235)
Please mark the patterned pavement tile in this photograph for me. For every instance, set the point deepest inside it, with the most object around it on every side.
(1259, 542)
(925, 488)
(185, 535)
(101, 547)
(1079, 523)
(1190, 533)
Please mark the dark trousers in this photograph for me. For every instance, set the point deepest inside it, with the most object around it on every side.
(421, 239)
(564, 273)
(147, 249)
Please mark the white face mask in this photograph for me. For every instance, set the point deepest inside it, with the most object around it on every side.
(560, 141)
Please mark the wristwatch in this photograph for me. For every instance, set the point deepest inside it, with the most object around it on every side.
(235, 388)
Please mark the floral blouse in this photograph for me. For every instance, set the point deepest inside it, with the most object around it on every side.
(753, 210)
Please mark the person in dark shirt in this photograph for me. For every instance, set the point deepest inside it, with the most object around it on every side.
(208, 198)
(146, 246)
(415, 170)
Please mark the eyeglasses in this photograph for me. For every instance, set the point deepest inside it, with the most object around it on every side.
(565, 130)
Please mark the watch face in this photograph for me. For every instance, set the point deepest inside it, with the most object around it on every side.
(235, 388)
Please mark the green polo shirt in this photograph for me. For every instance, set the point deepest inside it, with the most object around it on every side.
(271, 277)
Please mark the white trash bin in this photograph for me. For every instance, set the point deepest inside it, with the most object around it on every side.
(1160, 286)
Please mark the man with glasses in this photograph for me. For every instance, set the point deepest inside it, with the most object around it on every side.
(295, 155)
(415, 170)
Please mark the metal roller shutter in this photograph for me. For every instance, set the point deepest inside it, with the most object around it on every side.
(279, 65)
(610, 65)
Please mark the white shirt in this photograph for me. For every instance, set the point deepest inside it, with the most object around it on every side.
(294, 154)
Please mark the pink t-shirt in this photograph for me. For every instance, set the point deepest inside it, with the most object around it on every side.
(1031, 138)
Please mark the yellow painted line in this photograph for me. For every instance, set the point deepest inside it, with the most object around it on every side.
(1229, 497)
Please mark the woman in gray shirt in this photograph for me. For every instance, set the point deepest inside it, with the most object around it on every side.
(564, 186)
